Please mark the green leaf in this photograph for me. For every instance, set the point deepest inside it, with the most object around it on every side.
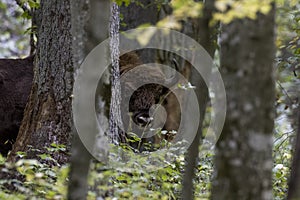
(33, 4)
(26, 15)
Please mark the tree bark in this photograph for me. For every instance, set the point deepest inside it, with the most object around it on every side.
(205, 35)
(294, 183)
(135, 15)
(80, 157)
(47, 117)
(243, 162)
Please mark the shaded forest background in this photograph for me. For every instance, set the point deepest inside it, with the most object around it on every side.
(271, 76)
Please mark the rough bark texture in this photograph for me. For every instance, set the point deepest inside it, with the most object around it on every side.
(243, 163)
(15, 83)
(294, 183)
(116, 135)
(47, 116)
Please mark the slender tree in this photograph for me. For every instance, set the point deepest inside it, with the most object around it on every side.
(80, 157)
(206, 36)
(294, 183)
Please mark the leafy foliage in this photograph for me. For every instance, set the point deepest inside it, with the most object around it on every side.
(288, 90)
(43, 181)
(13, 25)
(230, 9)
(182, 10)
(37, 179)
(281, 170)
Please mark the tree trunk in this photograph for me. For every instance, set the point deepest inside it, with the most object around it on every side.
(47, 117)
(243, 163)
(135, 15)
(294, 183)
(205, 35)
(80, 157)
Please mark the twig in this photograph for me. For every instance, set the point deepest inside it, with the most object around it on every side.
(286, 94)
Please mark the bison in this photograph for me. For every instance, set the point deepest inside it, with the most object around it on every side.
(16, 77)
(143, 98)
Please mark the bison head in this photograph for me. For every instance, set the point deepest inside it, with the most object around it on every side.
(143, 98)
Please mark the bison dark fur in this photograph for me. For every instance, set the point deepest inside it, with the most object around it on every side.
(16, 77)
(143, 98)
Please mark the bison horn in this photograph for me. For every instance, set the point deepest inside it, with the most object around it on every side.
(174, 79)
